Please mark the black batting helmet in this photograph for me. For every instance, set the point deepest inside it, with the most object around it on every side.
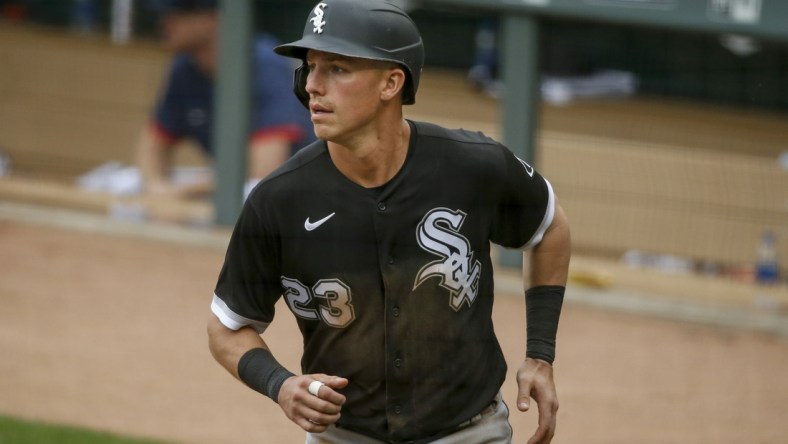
(368, 29)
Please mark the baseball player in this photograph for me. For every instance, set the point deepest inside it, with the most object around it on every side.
(378, 237)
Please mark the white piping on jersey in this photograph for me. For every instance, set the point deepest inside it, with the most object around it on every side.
(309, 226)
(546, 222)
(233, 320)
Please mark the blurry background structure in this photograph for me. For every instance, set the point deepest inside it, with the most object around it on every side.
(665, 143)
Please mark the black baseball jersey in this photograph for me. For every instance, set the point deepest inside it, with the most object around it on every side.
(392, 287)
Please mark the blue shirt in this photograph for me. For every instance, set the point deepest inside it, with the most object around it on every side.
(185, 108)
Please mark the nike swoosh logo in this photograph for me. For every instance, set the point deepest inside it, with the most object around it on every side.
(309, 226)
(528, 168)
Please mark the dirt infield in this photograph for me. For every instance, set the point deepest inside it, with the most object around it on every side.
(108, 332)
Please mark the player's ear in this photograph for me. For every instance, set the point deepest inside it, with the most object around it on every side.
(394, 83)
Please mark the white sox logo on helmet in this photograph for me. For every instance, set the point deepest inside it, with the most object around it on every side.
(438, 233)
(317, 20)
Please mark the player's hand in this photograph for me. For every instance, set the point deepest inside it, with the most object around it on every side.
(535, 380)
(312, 413)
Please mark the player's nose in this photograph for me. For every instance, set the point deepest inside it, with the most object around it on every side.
(314, 83)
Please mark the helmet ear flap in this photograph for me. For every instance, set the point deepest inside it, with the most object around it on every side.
(299, 85)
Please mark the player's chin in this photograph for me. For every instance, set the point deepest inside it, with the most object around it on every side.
(324, 132)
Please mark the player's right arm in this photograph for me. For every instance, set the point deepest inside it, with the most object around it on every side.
(312, 413)
(228, 346)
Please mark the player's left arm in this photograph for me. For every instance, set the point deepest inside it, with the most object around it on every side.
(545, 270)
(549, 260)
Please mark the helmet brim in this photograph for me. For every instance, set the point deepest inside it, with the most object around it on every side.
(299, 48)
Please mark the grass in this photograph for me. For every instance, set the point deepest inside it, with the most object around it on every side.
(15, 431)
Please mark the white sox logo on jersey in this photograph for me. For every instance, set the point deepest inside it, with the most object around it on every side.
(317, 20)
(438, 233)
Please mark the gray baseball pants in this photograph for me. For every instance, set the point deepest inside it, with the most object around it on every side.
(489, 427)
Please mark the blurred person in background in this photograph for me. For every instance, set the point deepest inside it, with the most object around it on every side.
(279, 125)
(484, 74)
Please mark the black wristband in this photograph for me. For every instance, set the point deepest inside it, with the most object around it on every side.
(542, 311)
(258, 369)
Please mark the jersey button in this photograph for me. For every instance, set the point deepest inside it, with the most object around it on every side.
(398, 362)
(395, 311)
(382, 206)
(397, 409)
(391, 260)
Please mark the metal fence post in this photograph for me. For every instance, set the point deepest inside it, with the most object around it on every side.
(521, 98)
(232, 98)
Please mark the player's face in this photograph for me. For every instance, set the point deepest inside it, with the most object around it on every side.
(345, 94)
